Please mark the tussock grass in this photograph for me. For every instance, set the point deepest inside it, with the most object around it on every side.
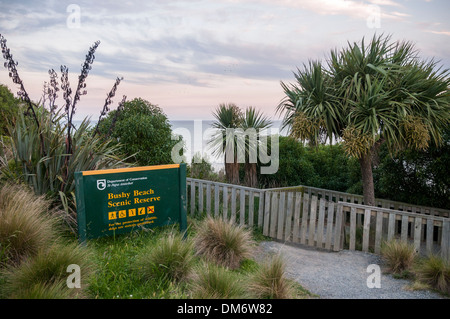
(25, 225)
(211, 281)
(398, 255)
(223, 243)
(270, 282)
(48, 269)
(57, 290)
(171, 258)
(435, 272)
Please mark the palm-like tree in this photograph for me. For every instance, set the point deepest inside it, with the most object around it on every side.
(368, 95)
(224, 142)
(252, 124)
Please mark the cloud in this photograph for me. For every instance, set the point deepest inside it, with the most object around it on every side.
(440, 32)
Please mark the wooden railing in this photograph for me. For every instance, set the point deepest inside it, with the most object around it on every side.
(232, 202)
(322, 218)
(336, 196)
(429, 234)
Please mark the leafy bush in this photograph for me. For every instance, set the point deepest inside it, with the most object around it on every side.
(270, 282)
(223, 242)
(143, 130)
(322, 166)
(25, 228)
(171, 258)
(398, 255)
(416, 177)
(8, 108)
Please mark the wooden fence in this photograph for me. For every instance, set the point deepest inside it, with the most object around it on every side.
(428, 233)
(336, 196)
(322, 218)
(298, 218)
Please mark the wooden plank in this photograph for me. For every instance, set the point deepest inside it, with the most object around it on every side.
(320, 223)
(242, 208)
(262, 196)
(445, 242)
(312, 221)
(200, 198)
(288, 221)
(378, 232)
(296, 228)
(304, 226)
(404, 233)
(251, 204)
(192, 198)
(338, 228)
(266, 220)
(352, 228)
(329, 232)
(366, 230)
(417, 233)
(429, 235)
(273, 215)
(391, 226)
(208, 199)
(216, 201)
(225, 203)
(233, 205)
(281, 215)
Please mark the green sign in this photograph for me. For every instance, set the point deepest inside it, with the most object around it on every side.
(118, 201)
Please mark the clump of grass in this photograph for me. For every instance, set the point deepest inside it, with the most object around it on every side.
(48, 269)
(398, 255)
(435, 272)
(223, 242)
(270, 282)
(215, 282)
(25, 225)
(43, 291)
(171, 258)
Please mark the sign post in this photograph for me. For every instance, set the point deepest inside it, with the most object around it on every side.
(117, 201)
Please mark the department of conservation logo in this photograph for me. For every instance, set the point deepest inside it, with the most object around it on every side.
(101, 184)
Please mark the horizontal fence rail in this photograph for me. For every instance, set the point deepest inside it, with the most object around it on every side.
(322, 218)
(336, 196)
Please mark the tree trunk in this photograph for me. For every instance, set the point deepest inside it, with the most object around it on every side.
(251, 177)
(367, 179)
(232, 172)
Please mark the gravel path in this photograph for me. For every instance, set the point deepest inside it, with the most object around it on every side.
(341, 275)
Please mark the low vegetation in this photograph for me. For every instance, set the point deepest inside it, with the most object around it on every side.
(429, 272)
(223, 242)
(158, 263)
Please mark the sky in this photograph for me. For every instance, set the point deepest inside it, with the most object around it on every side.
(189, 56)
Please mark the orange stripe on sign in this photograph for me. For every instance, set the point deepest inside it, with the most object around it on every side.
(130, 169)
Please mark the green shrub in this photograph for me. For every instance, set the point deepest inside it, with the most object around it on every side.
(398, 255)
(25, 226)
(223, 242)
(171, 258)
(143, 130)
(270, 282)
(434, 271)
(46, 269)
(214, 282)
